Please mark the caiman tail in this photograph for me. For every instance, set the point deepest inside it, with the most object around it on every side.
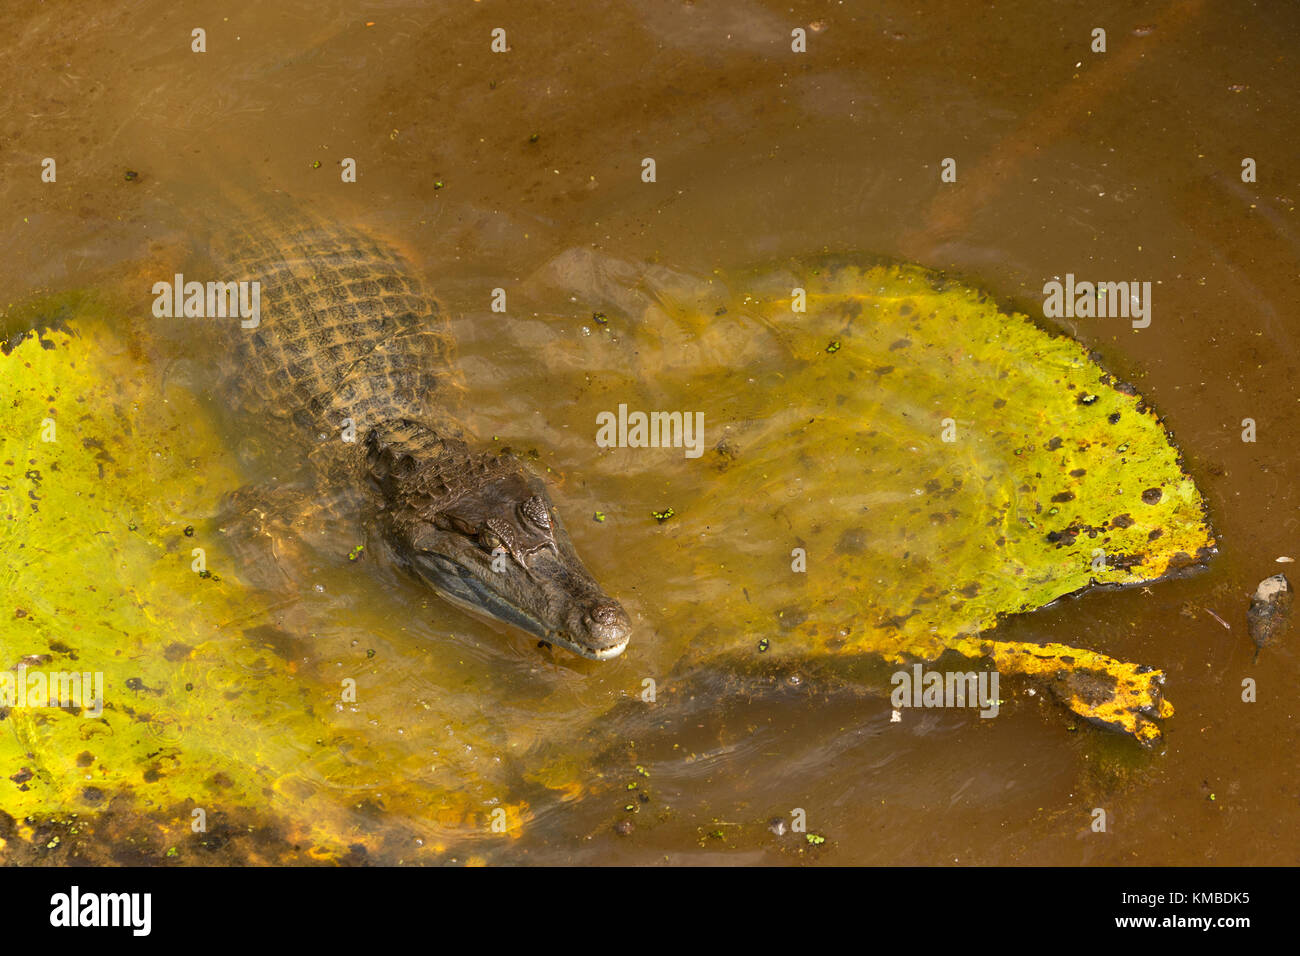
(351, 355)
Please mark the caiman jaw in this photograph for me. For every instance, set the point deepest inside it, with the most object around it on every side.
(481, 531)
(610, 629)
(591, 624)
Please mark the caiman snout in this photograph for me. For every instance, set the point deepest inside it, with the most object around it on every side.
(490, 542)
(605, 630)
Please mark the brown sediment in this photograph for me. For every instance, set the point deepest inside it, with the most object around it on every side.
(979, 184)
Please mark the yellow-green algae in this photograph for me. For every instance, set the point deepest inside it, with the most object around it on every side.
(200, 711)
(1053, 479)
(914, 546)
(826, 437)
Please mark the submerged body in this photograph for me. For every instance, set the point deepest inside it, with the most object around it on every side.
(353, 353)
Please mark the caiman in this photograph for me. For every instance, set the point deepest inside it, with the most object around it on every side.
(353, 352)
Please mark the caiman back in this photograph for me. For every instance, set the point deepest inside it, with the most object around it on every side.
(346, 331)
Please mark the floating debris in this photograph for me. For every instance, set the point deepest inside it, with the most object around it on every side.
(1270, 611)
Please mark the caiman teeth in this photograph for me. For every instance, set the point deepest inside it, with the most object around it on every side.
(590, 653)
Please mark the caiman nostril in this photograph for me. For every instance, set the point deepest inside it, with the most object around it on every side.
(606, 613)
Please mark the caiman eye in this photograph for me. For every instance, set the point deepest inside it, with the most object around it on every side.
(496, 534)
(535, 510)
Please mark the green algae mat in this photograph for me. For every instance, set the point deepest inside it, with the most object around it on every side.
(892, 465)
(209, 741)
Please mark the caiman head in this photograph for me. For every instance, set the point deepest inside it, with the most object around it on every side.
(482, 532)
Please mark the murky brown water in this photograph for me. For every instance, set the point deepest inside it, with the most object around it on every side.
(486, 166)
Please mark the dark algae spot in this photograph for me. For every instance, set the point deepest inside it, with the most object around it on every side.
(852, 541)
(1152, 496)
(176, 652)
(791, 617)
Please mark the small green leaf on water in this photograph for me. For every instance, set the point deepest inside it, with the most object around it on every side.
(662, 516)
(816, 840)
(599, 516)
(834, 346)
(316, 164)
(356, 552)
(763, 645)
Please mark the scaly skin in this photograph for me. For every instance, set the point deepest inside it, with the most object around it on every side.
(348, 337)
